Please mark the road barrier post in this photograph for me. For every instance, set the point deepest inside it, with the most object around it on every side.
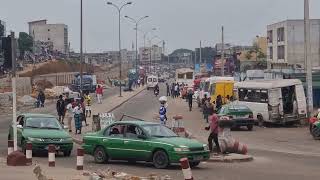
(80, 156)
(29, 152)
(51, 155)
(186, 170)
(10, 146)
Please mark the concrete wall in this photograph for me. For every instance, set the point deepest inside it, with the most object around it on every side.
(23, 85)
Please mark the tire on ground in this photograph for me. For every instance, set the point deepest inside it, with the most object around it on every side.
(160, 159)
(100, 155)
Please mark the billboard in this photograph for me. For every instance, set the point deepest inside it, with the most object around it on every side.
(197, 68)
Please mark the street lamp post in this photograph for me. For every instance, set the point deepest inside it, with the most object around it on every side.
(119, 8)
(81, 45)
(136, 24)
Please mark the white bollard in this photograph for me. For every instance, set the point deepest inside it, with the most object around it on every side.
(10, 146)
(186, 170)
(52, 155)
(29, 152)
(80, 156)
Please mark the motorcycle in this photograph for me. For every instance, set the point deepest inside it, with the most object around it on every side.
(156, 92)
(315, 128)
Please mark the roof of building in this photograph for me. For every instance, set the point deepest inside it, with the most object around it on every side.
(37, 21)
(267, 84)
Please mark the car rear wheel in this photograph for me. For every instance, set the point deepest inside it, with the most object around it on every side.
(160, 159)
(250, 127)
(194, 164)
(100, 155)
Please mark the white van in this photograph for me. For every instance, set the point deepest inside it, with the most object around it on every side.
(152, 81)
(280, 101)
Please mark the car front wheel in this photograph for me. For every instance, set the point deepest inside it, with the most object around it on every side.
(160, 159)
(100, 155)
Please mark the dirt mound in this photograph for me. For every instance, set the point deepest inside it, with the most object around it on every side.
(57, 66)
(43, 84)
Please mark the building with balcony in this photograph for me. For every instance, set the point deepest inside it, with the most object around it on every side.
(57, 34)
(286, 43)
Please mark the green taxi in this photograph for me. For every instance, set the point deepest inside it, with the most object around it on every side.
(41, 130)
(143, 141)
(241, 115)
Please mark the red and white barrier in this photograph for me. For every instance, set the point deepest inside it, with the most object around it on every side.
(80, 156)
(52, 155)
(29, 152)
(10, 146)
(186, 170)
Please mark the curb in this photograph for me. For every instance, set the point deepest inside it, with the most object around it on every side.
(231, 158)
(125, 101)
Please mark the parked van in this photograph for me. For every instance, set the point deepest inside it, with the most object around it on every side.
(280, 101)
(205, 85)
(152, 81)
(222, 88)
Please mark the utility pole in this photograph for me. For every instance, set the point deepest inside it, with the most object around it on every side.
(81, 46)
(14, 90)
(200, 61)
(307, 57)
(222, 53)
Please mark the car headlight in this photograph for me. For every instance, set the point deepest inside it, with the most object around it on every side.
(205, 147)
(181, 149)
(35, 139)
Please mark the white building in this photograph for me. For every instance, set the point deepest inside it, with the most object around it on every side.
(55, 33)
(286, 42)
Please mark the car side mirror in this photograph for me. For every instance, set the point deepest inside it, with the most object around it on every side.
(19, 126)
(142, 137)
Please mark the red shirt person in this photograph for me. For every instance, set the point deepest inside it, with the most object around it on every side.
(214, 130)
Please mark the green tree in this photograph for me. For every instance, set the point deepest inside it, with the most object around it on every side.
(248, 55)
(25, 42)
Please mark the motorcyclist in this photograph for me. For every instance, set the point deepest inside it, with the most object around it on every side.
(156, 90)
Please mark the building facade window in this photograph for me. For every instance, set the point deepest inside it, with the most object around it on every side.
(281, 52)
(270, 36)
(270, 52)
(280, 34)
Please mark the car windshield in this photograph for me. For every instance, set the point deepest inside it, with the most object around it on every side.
(157, 130)
(42, 123)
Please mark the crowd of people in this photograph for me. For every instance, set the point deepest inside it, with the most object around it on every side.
(76, 109)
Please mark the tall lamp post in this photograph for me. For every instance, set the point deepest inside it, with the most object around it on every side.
(136, 23)
(81, 45)
(119, 8)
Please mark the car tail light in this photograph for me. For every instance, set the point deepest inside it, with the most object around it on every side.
(250, 115)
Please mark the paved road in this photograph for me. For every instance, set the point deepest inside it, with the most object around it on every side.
(268, 164)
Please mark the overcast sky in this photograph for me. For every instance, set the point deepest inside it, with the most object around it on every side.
(181, 23)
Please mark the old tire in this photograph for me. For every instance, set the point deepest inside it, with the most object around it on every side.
(194, 164)
(250, 127)
(260, 120)
(100, 155)
(160, 159)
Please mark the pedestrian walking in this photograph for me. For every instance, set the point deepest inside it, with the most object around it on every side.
(77, 111)
(99, 93)
(190, 98)
(87, 99)
(172, 90)
(83, 114)
(176, 90)
(218, 102)
(41, 98)
(214, 130)
(60, 106)
(69, 115)
(168, 89)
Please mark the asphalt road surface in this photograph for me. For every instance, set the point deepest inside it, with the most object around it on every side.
(268, 164)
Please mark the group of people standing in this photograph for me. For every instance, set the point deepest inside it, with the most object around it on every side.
(174, 90)
(78, 109)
